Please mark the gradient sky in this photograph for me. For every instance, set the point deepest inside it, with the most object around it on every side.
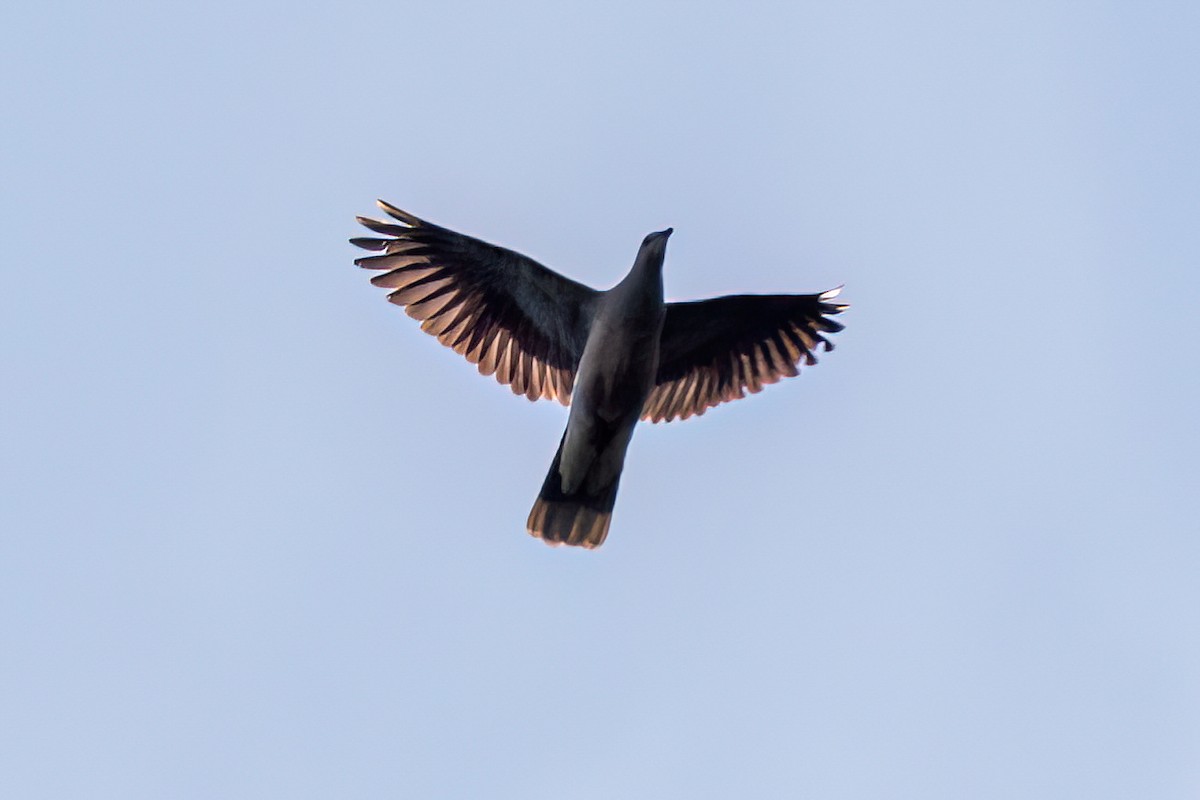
(260, 537)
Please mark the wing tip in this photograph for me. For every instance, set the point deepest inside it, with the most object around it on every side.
(369, 243)
(398, 214)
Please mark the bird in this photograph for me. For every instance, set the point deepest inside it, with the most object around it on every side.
(616, 357)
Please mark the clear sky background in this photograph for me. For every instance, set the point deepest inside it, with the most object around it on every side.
(260, 537)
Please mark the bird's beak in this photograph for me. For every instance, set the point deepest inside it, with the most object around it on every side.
(666, 233)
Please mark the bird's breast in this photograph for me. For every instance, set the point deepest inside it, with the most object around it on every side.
(616, 372)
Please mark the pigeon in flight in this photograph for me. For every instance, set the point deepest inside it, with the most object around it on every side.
(614, 356)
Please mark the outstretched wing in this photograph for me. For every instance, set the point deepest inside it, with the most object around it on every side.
(712, 351)
(513, 317)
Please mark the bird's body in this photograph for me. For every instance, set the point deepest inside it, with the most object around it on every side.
(616, 357)
(616, 374)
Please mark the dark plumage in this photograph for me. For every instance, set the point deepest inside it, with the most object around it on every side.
(615, 357)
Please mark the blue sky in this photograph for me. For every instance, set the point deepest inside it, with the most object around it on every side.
(262, 537)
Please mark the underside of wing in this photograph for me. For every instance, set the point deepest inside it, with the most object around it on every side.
(504, 312)
(714, 351)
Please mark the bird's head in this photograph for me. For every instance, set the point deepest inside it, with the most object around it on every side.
(654, 247)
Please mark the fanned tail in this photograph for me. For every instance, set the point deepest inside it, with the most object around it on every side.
(580, 519)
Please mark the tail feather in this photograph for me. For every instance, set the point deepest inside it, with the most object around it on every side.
(580, 519)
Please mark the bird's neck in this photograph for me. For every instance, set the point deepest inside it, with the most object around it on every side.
(645, 279)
